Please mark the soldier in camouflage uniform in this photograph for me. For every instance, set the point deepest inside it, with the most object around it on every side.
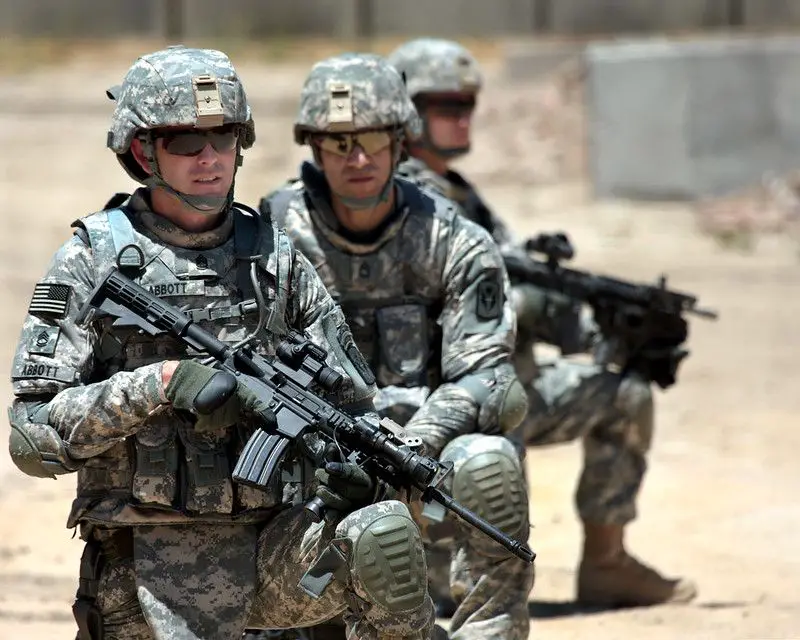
(425, 293)
(567, 399)
(175, 550)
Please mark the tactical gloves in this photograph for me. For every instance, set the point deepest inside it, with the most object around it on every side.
(214, 396)
(344, 486)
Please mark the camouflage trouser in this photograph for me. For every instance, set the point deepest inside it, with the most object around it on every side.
(614, 417)
(378, 574)
(166, 582)
(211, 582)
(489, 585)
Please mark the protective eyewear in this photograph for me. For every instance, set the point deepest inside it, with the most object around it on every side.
(342, 144)
(191, 142)
(450, 107)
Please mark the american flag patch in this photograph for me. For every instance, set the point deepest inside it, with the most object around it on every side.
(50, 299)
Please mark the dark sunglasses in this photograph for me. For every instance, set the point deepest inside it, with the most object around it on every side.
(342, 144)
(191, 142)
(449, 107)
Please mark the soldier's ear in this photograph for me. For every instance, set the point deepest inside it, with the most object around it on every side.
(137, 151)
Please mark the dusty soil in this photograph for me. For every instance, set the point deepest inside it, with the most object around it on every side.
(720, 501)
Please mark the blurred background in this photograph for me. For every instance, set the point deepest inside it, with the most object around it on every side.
(663, 137)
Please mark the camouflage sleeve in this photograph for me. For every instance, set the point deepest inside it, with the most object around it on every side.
(54, 362)
(313, 311)
(478, 323)
(478, 334)
(553, 318)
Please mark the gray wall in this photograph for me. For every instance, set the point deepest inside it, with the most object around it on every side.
(260, 18)
(608, 16)
(673, 119)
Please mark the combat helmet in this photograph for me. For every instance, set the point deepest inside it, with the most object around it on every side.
(177, 87)
(436, 66)
(352, 92)
(355, 92)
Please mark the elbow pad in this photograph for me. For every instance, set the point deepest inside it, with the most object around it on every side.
(35, 446)
(501, 399)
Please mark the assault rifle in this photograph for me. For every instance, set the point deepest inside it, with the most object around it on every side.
(283, 388)
(643, 326)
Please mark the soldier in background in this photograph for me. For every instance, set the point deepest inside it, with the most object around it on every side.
(612, 414)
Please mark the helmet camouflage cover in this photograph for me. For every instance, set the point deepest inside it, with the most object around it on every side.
(351, 92)
(177, 87)
(436, 66)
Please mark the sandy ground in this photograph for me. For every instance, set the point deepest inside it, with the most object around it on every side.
(720, 502)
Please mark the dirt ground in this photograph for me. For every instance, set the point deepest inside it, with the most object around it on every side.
(720, 502)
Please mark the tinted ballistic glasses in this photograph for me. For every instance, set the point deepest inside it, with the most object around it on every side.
(342, 144)
(191, 142)
(449, 107)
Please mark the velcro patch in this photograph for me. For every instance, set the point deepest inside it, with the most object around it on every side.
(177, 288)
(29, 369)
(50, 299)
(42, 340)
(489, 300)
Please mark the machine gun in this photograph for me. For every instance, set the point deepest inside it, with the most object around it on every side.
(643, 326)
(288, 407)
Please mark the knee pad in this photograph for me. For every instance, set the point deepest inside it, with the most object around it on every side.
(487, 479)
(502, 401)
(388, 559)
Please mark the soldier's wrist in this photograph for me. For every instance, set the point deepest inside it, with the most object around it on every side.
(167, 370)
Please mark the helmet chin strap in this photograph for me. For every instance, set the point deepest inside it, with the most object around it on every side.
(208, 205)
(367, 202)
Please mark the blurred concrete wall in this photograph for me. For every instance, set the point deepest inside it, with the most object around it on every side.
(261, 18)
(671, 119)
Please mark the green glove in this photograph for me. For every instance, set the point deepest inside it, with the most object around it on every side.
(206, 392)
(344, 486)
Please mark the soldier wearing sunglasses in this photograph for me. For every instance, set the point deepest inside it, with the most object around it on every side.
(567, 399)
(175, 549)
(426, 295)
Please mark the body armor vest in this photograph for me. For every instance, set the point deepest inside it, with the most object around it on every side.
(452, 186)
(390, 293)
(168, 472)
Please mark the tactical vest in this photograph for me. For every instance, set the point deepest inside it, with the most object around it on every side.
(167, 472)
(452, 186)
(391, 297)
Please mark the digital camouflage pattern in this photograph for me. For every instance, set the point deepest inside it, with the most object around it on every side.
(614, 416)
(427, 300)
(485, 479)
(159, 91)
(147, 471)
(567, 400)
(380, 534)
(432, 65)
(454, 186)
(354, 91)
